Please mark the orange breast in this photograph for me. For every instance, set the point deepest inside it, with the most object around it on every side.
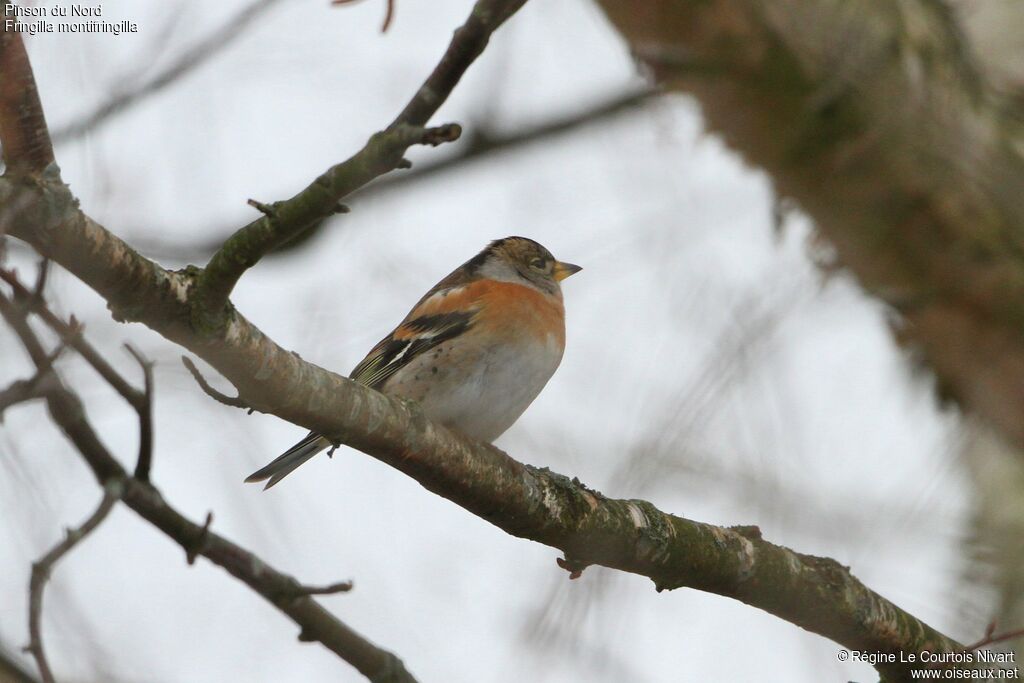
(523, 309)
(501, 308)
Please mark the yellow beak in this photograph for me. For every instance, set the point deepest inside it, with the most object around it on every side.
(564, 270)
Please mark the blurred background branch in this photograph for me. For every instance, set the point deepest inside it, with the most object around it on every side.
(130, 94)
(879, 125)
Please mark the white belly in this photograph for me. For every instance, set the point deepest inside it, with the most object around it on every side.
(479, 391)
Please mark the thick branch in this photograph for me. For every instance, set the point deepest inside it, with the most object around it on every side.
(877, 123)
(23, 133)
(42, 569)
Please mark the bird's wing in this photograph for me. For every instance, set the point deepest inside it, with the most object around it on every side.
(443, 314)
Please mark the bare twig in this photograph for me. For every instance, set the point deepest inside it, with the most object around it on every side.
(234, 402)
(42, 273)
(70, 333)
(288, 218)
(466, 45)
(481, 142)
(340, 587)
(389, 11)
(991, 638)
(35, 387)
(382, 154)
(145, 410)
(197, 55)
(197, 545)
(42, 569)
(22, 391)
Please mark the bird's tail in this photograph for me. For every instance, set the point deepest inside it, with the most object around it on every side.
(284, 464)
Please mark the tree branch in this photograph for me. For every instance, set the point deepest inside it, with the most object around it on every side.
(815, 593)
(383, 153)
(281, 590)
(389, 11)
(42, 569)
(70, 334)
(880, 127)
(467, 44)
(23, 133)
(24, 390)
(479, 143)
(218, 396)
(145, 410)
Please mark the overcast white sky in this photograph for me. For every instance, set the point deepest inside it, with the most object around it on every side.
(710, 368)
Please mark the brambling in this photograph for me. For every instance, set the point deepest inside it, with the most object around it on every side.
(474, 351)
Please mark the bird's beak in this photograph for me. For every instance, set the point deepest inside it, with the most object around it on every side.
(564, 270)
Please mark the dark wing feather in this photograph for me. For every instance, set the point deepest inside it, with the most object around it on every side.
(419, 335)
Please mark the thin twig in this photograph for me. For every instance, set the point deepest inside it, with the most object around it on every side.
(12, 670)
(384, 152)
(234, 402)
(70, 333)
(42, 273)
(24, 390)
(479, 144)
(145, 412)
(466, 45)
(197, 545)
(315, 622)
(42, 569)
(991, 638)
(288, 218)
(389, 11)
(41, 382)
(340, 587)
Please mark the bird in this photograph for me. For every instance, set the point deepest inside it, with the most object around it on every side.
(474, 351)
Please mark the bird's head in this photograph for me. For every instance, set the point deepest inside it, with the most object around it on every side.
(520, 259)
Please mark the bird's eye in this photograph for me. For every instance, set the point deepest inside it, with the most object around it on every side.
(538, 263)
